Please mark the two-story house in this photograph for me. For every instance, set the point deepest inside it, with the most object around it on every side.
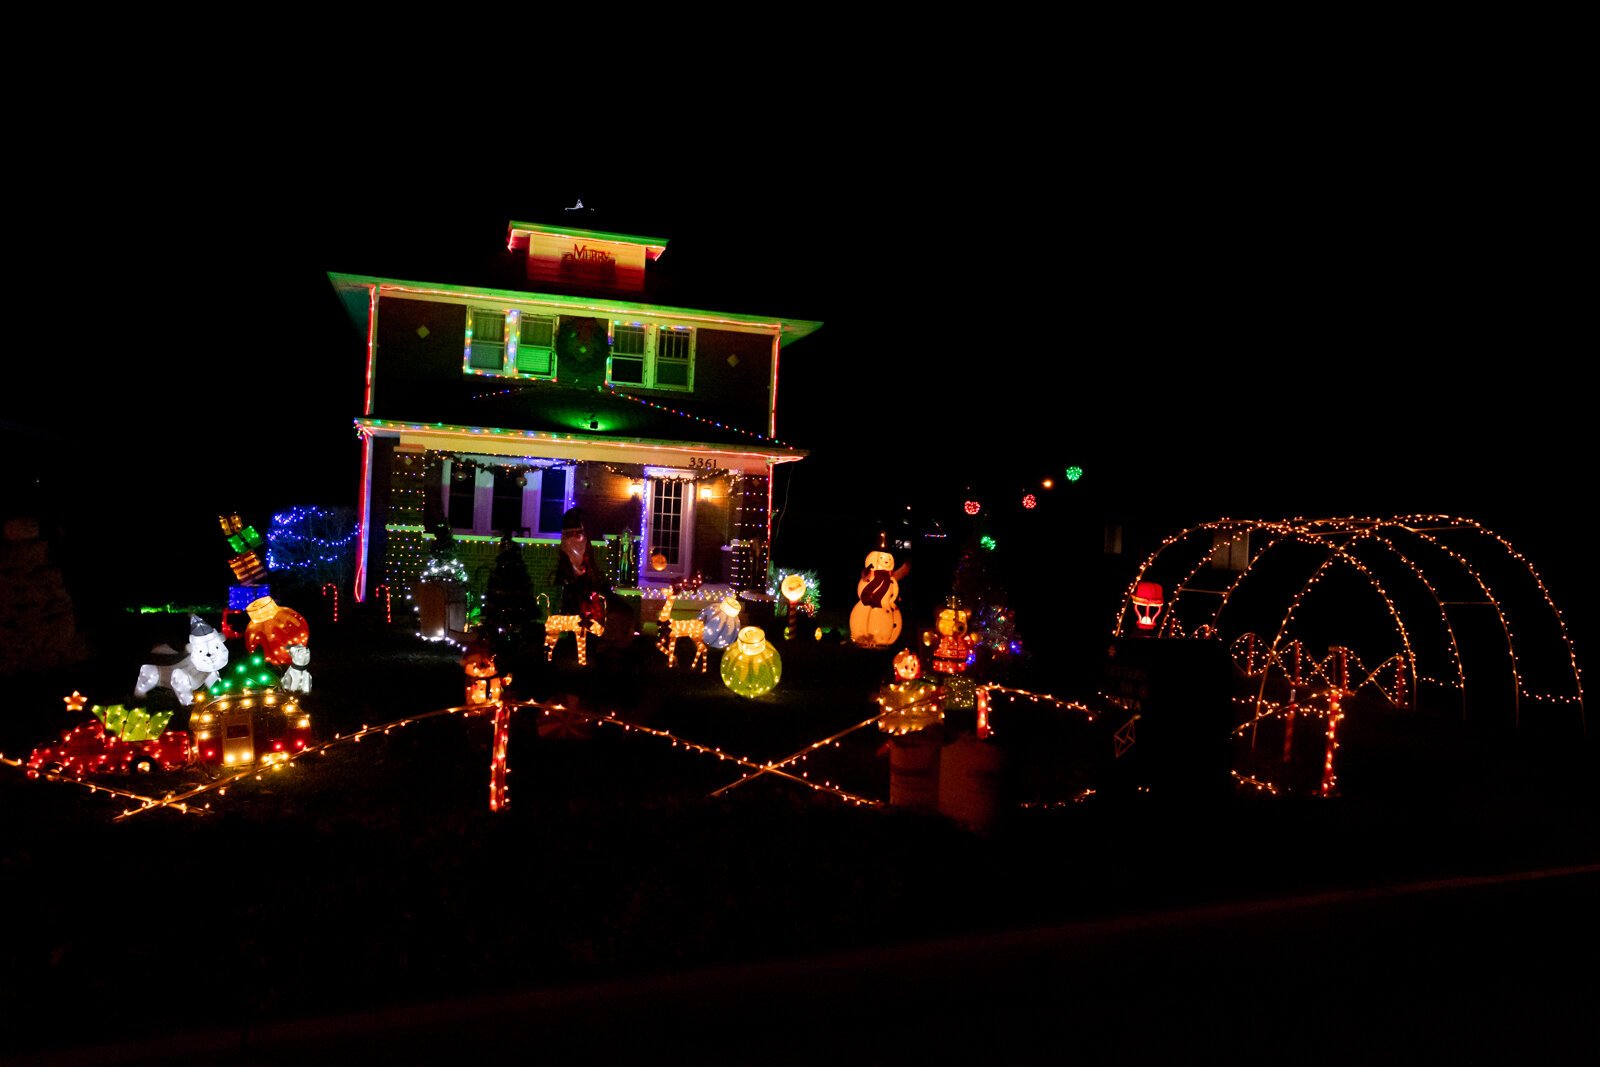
(497, 410)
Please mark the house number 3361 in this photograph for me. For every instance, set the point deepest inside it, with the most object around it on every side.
(702, 463)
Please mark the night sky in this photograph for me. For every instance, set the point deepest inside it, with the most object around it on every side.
(1213, 316)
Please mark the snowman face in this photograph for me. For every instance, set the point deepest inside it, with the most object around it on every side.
(208, 651)
(880, 561)
(299, 655)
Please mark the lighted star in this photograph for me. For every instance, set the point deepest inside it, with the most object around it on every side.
(75, 701)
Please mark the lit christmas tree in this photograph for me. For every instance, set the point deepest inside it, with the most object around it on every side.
(509, 609)
(992, 626)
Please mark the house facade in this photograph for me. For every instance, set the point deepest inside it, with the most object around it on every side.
(496, 410)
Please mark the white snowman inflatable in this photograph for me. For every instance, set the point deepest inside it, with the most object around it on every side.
(875, 620)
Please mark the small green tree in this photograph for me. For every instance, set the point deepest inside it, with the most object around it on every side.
(509, 610)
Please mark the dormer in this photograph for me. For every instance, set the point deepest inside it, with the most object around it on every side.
(563, 257)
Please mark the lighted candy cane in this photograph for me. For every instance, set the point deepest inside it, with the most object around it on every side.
(1330, 780)
(326, 586)
(499, 799)
(388, 607)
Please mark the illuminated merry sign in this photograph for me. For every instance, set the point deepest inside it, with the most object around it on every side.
(582, 261)
(585, 262)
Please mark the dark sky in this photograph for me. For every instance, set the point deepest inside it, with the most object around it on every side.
(1247, 311)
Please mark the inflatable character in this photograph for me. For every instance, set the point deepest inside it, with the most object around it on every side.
(297, 679)
(207, 655)
(875, 620)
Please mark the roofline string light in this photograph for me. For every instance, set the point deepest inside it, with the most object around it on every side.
(366, 428)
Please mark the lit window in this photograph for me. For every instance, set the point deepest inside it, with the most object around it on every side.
(486, 339)
(483, 496)
(536, 346)
(501, 341)
(653, 357)
(673, 351)
(628, 353)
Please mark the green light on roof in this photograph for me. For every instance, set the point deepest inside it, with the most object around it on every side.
(987, 542)
(1074, 473)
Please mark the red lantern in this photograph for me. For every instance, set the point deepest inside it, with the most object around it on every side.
(1148, 601)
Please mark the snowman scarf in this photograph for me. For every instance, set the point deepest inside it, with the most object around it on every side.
(877, 585)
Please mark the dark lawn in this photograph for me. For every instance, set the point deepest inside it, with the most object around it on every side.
(375, 874)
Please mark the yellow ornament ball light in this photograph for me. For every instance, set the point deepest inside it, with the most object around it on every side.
(752, 666)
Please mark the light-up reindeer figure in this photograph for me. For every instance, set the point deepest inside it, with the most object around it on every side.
(671, 629)
(590, 620)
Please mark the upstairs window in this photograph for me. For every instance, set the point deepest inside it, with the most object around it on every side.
(536, 346)
(511, 342)
(486, 339)
(651, 356)
(628, 353)
(674, 355)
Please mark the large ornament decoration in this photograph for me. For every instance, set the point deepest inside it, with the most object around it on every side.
(751, 666)
(273, 629)
(721, 622)
(875, 620)
(207, 654)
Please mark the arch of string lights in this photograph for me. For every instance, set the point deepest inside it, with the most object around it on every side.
(1439, 561)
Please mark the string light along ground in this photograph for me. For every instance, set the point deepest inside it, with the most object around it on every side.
(500, 715)
(499, 792)
(97, 787)
(800, 755)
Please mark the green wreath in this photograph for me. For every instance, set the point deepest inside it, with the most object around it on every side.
(582, 341)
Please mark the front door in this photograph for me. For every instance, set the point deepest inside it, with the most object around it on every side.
(669, 526)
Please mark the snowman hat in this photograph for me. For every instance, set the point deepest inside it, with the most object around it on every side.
(572, 520)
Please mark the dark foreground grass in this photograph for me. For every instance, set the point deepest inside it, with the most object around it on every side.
(375, 874)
